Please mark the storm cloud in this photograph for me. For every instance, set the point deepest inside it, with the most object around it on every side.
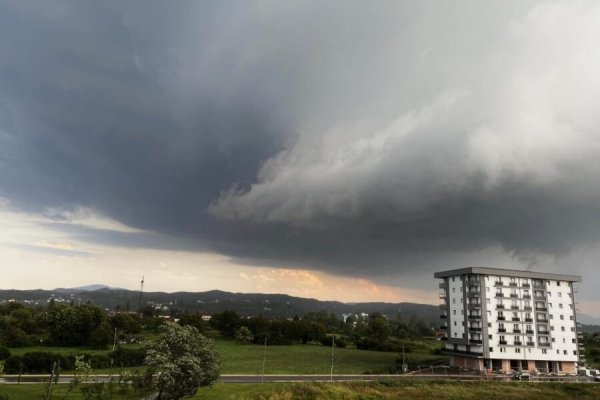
(356, 138)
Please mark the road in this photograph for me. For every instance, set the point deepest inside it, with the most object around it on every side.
(228, 378)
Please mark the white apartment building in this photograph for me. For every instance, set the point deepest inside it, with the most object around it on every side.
(510, 320)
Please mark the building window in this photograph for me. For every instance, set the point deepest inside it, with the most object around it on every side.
(489, 336)
(574, 352)
(491, 349)
(562, 328)
(517, 350)
(544, 351)
(565, 352)
(560, 295)
(562, 317)
(557, 351)
(453, 279)
(453, 290)
(572, 329)
(557, 283)
(454, 311)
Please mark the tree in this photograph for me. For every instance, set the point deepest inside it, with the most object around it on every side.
(378, 328)
(243, 335)
(183, 360)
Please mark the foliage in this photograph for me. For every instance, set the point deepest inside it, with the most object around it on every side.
(184, 361)
(243, 335)
(84, 325)
(4, 353)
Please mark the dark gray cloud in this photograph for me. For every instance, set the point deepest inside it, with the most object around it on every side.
(354, 138)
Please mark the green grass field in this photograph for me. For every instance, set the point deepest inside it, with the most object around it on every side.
(408, 390)
(292, 359)
(304, 359)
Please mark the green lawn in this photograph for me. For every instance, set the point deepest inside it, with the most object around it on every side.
(409, 390)
(406, 389)
(292, 359)
(309, 359)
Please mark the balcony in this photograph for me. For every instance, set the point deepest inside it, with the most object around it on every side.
(537, 297)
(501, 318)
(502, 342)
(528, 319)
(443, 316)
(474, 316)
(442, 286)
(530, 343)
(444, 327)
(475, 329)
(544, 309)
(498, 283)
(474, 305)
(500, 295)
(525, 285)
(513, 284)
(527, 308)
(529, 332)
(527, 296)
(473, 293)
(516, 319)
(518, 343)
(443, 295)
(542, 321)
(514, 295)
(476, 341)
(543, 332)
(517, 331)
(501, 330)
(499, 306)
(514, 307)
(544, 344)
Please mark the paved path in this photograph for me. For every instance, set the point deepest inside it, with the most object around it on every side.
(231, 378)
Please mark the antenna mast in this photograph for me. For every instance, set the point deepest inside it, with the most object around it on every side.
(141, 292)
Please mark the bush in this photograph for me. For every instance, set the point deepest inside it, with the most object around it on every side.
(4, 353)
(126, 357)
(372, 344)
(13, 365)
(37, 362)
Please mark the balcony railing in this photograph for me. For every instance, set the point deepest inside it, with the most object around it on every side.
(529, 332)
(501, 318)
(443, 316)
(528, 319)
(499, 294)
(501, 330)
(514, 307)
(527, 308)
(525, 285)
(530, 343)
(526, 296)
(502, 342)
(514, 295)
(543, 332)
(442, 286)
(474, 316)
(544, 344)
(518, 343)
(476, 341)
(512, 284)
(544, 309)
(475, 329)
(542, 321)
(517, 331)
(500, 306)
(516, 319)
(498, 283)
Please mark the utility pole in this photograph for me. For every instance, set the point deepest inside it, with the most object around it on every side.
(112, 359)
(264, 361)
(49, 391)
(332, 343)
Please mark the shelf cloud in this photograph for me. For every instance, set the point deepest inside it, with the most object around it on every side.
(353, 138)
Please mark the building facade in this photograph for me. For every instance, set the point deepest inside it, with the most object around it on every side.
(507, 320)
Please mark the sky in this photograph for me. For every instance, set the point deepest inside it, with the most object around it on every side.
(339, 150)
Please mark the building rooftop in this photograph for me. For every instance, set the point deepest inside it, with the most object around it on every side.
(507, 272)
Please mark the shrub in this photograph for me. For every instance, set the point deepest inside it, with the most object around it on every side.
(127, 357)
(4, 353)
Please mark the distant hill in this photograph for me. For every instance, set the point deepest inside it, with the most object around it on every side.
(246, 304)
